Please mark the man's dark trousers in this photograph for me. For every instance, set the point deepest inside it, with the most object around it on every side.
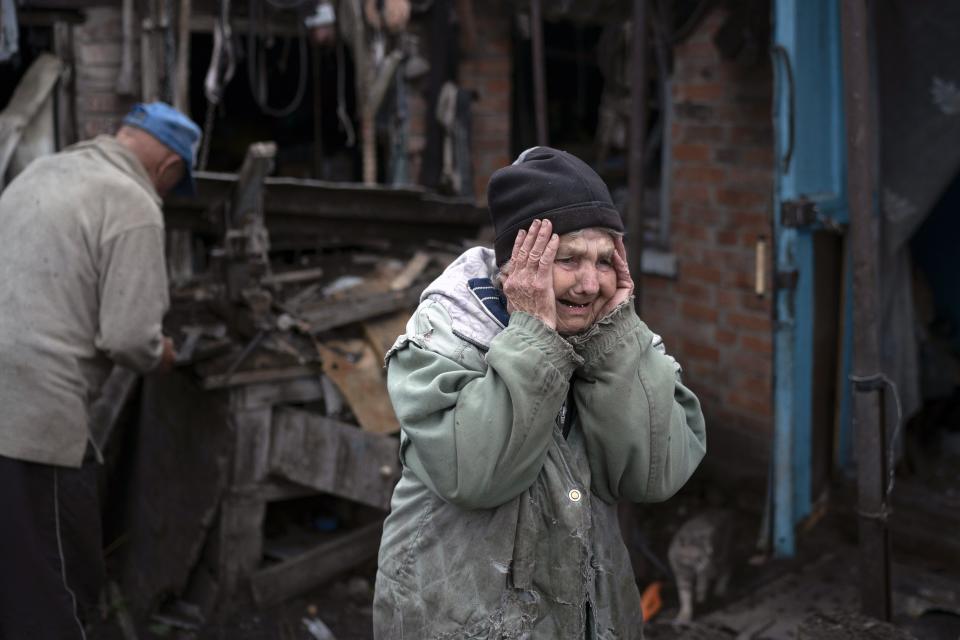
(51, 562)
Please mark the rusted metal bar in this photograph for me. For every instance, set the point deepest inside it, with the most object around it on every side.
(638, 133)
(867, 392)
(539, 78)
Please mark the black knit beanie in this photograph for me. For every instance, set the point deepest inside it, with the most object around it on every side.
(547, 184)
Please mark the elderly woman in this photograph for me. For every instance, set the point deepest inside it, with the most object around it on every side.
(532, 400)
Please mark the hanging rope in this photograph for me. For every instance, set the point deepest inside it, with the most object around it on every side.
(342, 115)
(257, 60)
(207, 136)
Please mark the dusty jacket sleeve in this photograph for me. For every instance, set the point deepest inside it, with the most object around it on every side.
(644, 430)
(478, 438)
(133, 298)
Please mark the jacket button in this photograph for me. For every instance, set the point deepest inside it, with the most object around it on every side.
(575, 495)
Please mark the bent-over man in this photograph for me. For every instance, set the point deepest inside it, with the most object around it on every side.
(82, 286)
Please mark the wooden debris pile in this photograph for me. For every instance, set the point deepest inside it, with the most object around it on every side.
(335, 317)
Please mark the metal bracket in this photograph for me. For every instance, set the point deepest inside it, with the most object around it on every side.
(786, 279)
(805, 212)
(799, 212)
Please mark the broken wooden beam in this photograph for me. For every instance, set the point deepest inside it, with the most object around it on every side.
(292, 277)
(411, 271)
(348, 310)
(28, 99)
(315, 567)
(336, 458)
(358, 373)
(346, 203)
(258, 376)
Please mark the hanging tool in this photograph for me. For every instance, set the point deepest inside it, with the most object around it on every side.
(219, 74)
(257, 63)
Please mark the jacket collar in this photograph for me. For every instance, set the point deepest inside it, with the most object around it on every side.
(461, 290)
(491, 298)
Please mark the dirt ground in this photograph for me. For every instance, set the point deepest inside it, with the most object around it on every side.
(812, 596)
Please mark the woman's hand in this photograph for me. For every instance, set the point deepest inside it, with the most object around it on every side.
(624, 280)
(529, 282)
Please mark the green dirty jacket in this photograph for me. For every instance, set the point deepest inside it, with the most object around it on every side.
(501, 527)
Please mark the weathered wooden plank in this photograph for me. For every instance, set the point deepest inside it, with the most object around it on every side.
(252, 444)
(383, 332)
(333, 457)
(357, 309)
(292, 277)
(274, 488)
(298, 390)
(258, 376)
(348, 201)
(358, 373)
(411, 271)
(28, 99)
(277, 583)
(182, 465)
(66, 89)
(240, 535)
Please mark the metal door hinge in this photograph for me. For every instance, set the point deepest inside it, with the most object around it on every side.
(786, 279)
(799, 212)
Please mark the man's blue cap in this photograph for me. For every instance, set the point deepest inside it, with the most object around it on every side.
(175, 130)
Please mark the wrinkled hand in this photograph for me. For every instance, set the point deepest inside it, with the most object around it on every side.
(529, 282)
(624, 280)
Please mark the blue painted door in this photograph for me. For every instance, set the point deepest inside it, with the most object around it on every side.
(809, 197)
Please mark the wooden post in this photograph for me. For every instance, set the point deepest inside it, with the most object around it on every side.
(150, 59)
(125, 81)
(868, 397)
(181, 98)
(66, 89)
(317, 67)
(638, 133)
(539, 79)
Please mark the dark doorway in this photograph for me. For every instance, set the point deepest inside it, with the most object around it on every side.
(312, 140)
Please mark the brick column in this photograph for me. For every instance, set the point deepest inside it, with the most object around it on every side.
(720, 202)
(97, 46)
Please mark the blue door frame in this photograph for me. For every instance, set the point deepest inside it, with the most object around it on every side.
(811, 168)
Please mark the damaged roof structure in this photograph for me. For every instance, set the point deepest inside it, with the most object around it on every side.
(347, 149)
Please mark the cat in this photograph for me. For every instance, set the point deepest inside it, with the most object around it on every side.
(700, 554)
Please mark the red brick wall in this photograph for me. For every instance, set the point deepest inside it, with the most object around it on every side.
(97, 43)
(720, 204)
(487, 70)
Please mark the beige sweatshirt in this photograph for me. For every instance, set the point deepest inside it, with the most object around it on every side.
(82, 283)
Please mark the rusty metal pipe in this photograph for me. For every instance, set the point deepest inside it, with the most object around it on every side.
(867, 392)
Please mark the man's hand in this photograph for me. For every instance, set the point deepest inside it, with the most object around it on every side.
(624, 280)
(529, 282)
(168, 357)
